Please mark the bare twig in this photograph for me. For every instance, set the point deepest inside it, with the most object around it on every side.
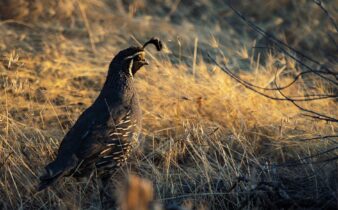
(332, 20)
(329, 137)
(252, 87)
(284, 47)
(315, 114)
(299, 162)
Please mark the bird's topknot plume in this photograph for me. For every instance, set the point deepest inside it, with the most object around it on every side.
(155, 41)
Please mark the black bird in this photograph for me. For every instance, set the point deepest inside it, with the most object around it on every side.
(104, 135)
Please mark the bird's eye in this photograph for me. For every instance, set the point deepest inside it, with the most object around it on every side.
(138, 58)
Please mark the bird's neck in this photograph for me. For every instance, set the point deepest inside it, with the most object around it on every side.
(118, 87)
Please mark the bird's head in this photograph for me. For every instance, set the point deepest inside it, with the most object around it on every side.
(133, 58)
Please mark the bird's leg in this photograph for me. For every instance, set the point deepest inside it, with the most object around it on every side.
(107, 193)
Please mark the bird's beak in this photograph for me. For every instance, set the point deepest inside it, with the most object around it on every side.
(144, 62)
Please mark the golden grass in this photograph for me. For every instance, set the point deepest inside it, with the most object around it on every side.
(201, 133)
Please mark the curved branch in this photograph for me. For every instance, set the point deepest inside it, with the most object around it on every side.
(280, 45)
(252, 87)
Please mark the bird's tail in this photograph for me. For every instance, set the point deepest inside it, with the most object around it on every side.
(47, 181)
(56, 170)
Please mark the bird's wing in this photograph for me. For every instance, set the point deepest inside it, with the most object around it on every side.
(80, 131)
(114, 142)
(114, 128)
(67, 159)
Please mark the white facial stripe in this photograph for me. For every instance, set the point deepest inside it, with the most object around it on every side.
(131, 68)
(134, 55)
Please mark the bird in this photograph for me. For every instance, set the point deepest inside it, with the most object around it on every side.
(106, 133)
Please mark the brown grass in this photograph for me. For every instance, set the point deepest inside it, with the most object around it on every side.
(207, 140)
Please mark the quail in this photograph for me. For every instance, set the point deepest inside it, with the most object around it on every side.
(105, 134)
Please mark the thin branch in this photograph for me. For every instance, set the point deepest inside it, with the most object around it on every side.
(333, 21)
(320, 115)
(252, 87)
(317, 138)
(298, 162)
(280, 45)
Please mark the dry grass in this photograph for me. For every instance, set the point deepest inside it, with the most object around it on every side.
(207, 140)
